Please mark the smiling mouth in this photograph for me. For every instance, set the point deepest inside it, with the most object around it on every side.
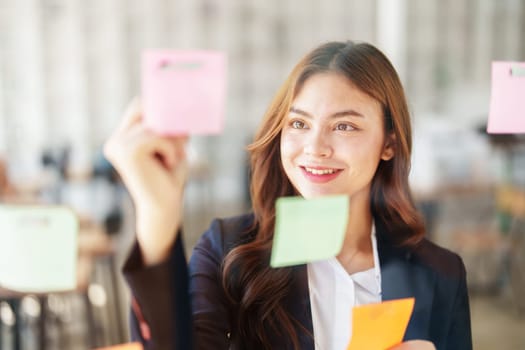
(320, 175)
(320, 171)
(323, 171)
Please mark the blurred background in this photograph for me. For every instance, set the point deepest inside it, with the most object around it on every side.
(69, 67)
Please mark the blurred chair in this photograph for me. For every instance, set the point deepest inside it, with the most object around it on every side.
(96, 250)
(483, 252)
(511, 205)
(495, 254)
(476, 237)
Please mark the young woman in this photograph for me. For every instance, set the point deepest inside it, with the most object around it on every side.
(339, 125)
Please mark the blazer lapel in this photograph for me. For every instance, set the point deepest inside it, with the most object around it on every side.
(401, 278)
(299, 307)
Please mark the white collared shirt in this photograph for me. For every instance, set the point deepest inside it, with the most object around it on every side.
(333, 293)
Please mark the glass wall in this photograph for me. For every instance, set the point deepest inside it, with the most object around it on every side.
(69, 67)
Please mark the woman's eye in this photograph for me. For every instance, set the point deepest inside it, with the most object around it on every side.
(344, 127)
(297, 124)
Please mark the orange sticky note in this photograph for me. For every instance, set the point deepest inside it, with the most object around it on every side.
(380, 326)
(128, 346)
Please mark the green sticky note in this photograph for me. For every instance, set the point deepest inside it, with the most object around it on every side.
(308, 229)
(38, 248)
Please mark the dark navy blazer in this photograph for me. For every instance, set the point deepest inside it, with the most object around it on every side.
(433, 275)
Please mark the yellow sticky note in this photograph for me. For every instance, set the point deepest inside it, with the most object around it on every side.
(380, 326)
(128, 346)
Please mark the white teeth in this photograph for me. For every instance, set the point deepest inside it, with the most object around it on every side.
(320, 171)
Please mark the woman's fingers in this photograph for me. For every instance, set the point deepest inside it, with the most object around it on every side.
(415, 345)
(133, 142)
(132, 115)
(169, 151)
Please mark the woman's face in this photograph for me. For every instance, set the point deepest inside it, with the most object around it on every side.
(333, 138)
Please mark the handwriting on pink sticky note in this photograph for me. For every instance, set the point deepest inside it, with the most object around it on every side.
(129, 346)
(507, 100)
(183, 92)
(380, 326)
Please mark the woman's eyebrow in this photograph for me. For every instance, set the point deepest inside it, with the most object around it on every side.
(346, 112)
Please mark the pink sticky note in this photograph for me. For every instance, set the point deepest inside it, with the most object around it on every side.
(183, 92)
(507, 102)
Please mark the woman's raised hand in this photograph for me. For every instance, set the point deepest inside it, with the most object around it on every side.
(154, 170)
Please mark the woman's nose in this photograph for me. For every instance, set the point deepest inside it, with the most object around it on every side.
(317, 144)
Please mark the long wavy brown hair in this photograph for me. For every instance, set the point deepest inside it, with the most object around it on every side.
(253, 287)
